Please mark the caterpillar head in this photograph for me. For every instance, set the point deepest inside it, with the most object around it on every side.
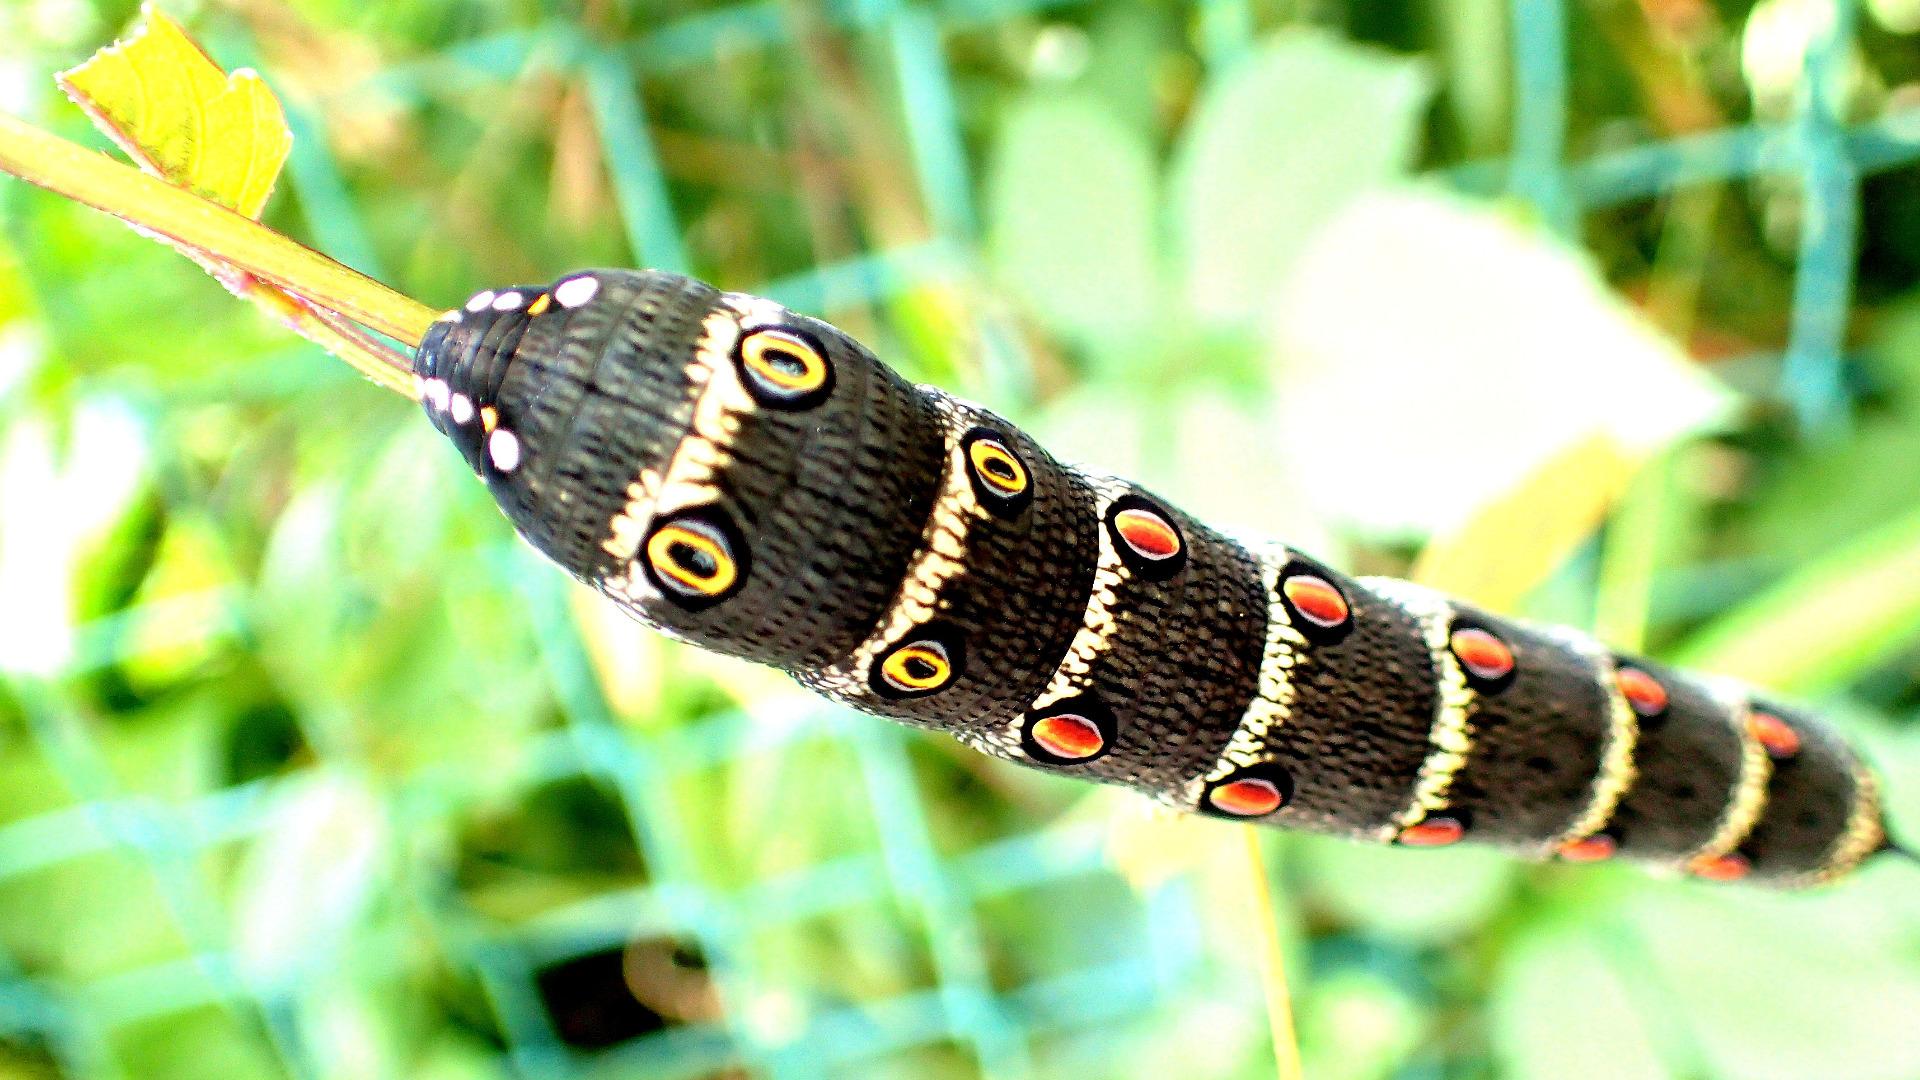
(736, 474)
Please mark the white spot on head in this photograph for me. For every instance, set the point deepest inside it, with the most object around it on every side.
(508, 301)
(480, 301)
(452, 316)
(504, 448)
(574, 292)
(436, 394)
(462, 408)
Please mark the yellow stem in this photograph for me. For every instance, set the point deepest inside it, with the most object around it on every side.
(1273, 962)
(179, 215)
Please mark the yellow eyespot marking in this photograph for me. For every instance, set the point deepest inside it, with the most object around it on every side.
(784, 360)
(920, 666)
(540, 305)
(997, 466)
(691, 559)
(489, 418)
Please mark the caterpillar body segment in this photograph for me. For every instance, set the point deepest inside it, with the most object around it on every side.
(754, 481)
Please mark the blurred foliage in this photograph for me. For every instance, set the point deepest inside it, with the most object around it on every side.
(306, 769)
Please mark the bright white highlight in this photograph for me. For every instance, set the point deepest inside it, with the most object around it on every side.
(574, 292)
(503, 447)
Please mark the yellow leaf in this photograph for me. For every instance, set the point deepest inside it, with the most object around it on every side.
(178, 114)
(213, 145)
(1507, 549)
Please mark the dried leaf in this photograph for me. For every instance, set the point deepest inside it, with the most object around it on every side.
(1512, 544)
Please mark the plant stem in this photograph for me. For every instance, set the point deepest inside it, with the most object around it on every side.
(185, 218)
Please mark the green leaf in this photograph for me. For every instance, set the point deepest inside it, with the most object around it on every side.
(1785, 987)
(1417, 895)
(1275, 148)
(1560, 1009)
(308, 881)
(1359, 1025)
(1423, 328)
(1072, 203)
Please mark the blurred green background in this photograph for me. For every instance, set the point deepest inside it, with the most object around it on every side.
(308, 770)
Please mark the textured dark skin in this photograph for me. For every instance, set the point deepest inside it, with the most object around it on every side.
(828, 551)
(1182, 663)
(1537, 741)
(1688, 762)
(1362, 709)
(1808, 799)
(1020, 597)
(635, 399)
(604, 381)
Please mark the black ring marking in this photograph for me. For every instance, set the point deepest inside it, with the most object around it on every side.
(1088, 706)
(709, 523)
(1271, 772)
(1146, 560)
(945, 646)
(1480, 682)
(1314, 627)
(1003, 495)
(774, 394)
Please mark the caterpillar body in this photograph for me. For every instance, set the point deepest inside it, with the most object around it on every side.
(756, 482)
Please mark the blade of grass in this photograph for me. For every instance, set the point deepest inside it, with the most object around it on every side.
(1826, 623)
(1272, 959)
(158, 207)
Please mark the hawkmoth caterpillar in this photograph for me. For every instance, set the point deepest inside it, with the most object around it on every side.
(756, 482)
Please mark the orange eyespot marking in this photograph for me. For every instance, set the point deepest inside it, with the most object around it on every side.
(692, 560)
(1317, 599)
(1481, 653)
(997, 467)
(1147, 533)
(1596, 848)
(1252, 797)
(785, 362)
(1068, 736)
(489, 418)
(1779, 738)
(540, 305)
(1433, 832)
(1642, 691)
(917, 668)
(1721, 868)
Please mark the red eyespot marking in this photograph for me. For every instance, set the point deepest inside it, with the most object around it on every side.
(1147, 533)
(1433, 832)
(1067, 736)
(1721, 868)
(1595, 848)
(1252, 797)
(1774, 733)
(1483, 654)
(1643, 691)
(1317, 599)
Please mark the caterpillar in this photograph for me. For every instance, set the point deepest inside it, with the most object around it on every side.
(754, 481)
